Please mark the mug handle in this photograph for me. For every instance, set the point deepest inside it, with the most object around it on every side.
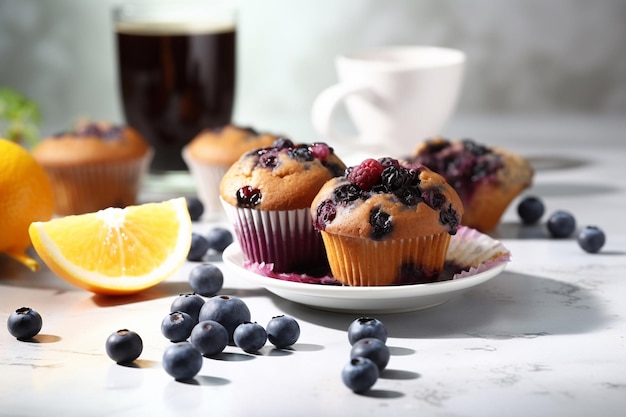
(326, 104)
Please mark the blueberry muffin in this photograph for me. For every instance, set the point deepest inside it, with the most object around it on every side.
(386, 224)
(267, 195)
(209, 155)
(486, 178)
(94, 166)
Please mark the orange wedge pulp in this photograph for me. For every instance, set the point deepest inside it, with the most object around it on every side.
(116, 251)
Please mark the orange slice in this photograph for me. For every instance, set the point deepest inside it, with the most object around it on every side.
(116, 251)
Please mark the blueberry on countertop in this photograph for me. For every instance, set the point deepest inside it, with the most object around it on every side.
(209, 337)
(360, 374)
(227, 310)
(24, 323)
(591, 239)
(366, 327)
(373, 349)
(283, 331)
(124, 346)
(530, 210)
(561, 224)
(219, 238)
(250, 337)
(182, 361)
(199, 247)
(190, 303)
(195, 207)
(206, 279)
(177, 326)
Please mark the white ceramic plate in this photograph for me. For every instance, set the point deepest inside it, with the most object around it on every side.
(363, 300)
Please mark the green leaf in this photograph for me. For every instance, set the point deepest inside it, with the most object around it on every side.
(19, 117)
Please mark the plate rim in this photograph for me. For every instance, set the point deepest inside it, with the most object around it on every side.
(233, 258)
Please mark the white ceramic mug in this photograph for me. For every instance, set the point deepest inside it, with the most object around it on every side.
(395, 97)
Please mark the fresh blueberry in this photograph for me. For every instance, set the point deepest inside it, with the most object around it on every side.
(24, 323)
(372, 349)
(530, 209)
(195, 207)
(227, 310)
(283, 331)
(219, 238)
(561, 224)
(190, 303)
(360, 374)
(206, 279)
(182, 361)
(177, 326)
(124, 346)
(366, 327)
(199, 247)
(209, 337)
(591, 239)
(250, 337)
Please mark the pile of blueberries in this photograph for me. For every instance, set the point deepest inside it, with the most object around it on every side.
(561, 224)
(203, 328)
(200, 328)
(369, 354)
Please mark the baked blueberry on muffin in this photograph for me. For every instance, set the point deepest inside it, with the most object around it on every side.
(486, 178)
(267, 195)
(386, 224)
(94, 166)
(213, 151)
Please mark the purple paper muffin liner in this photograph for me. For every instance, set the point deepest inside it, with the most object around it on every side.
(282, 240)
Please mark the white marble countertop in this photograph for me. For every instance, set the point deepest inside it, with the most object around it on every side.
(547, 337)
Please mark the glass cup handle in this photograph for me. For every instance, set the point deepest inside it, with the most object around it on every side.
(325, 106)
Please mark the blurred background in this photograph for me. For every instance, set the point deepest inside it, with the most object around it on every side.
(531, 57)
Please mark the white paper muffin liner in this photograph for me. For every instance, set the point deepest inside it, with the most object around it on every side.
(207, 178)
(281, 239)
(89, 188)
(470, 252)
(475, 252)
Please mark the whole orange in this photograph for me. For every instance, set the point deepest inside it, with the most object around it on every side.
(25, 197)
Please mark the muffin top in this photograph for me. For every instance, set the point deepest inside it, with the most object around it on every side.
(466, 165)
(224, 145)
(283, 176)
(91, 143)
(380, 199)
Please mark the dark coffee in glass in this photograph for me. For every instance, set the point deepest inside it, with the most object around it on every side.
(176, 79)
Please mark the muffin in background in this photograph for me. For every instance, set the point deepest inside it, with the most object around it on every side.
(209, 155)
(385, 224)
(486, 178)
(94, 166)
(267, 196)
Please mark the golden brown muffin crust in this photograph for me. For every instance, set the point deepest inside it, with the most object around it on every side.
(290, 184)
(224, 146)
(72, 149)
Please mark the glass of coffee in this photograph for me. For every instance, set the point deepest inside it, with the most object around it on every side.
(176, 64)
